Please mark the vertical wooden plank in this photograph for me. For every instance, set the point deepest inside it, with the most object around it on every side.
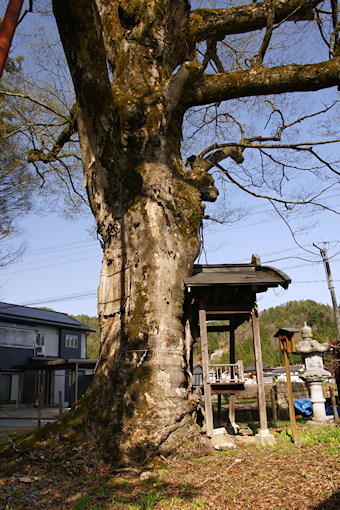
(39, 409)
(232, 410)
(240, 370)
(205, 369)
(76, 384)
(273, 401)
(219, 406)
(20, 389)
(334, 406)
(259, 370)
(232, 360)
(60, 405)
(48, 378)
(290, 397)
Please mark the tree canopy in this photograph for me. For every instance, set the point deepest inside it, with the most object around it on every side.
(36, 118)
(16, 181)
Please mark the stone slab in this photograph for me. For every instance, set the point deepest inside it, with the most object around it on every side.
(221, 439)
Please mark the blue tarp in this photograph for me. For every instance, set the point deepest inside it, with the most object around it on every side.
(329, 410)
(305, 407)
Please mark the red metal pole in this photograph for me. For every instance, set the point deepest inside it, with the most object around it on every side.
(7, 30)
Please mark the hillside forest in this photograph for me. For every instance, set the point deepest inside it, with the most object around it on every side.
(290, 315)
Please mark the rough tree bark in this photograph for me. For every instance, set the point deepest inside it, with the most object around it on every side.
(134, 73)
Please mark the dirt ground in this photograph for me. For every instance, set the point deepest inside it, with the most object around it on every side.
(248, 477)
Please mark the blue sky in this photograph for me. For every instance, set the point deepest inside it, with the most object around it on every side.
(61, 259)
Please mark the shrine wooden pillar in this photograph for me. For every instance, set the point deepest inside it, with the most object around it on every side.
(263, 436)
(232, 360)
(205, 368)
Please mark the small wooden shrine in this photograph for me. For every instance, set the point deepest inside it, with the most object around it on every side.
(228, 291)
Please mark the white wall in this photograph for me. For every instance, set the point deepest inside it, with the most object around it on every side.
(51, 340)
(83, 345)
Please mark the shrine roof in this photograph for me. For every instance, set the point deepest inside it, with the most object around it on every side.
(236, 275)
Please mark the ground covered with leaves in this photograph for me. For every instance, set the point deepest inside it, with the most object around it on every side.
(248, 477)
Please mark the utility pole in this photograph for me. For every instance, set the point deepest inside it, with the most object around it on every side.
(324, 256)
(336, 353)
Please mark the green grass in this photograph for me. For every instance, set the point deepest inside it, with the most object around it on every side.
(312, 435)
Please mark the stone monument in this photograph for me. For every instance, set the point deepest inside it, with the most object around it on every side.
(314, 374)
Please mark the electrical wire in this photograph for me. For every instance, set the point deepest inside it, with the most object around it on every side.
(68, 297)
(49, 266)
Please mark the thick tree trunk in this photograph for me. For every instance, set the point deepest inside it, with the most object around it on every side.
(142, 403)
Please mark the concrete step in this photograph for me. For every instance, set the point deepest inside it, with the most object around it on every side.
(221, 440)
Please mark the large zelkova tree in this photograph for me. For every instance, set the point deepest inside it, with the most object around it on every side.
(138, 67)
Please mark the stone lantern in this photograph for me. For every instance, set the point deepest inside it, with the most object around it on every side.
(314, 374)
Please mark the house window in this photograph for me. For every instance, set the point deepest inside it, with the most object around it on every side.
(39, 339)
(71, 341)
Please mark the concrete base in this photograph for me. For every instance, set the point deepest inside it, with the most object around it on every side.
(317, 399)
(265, 438)
(329, 420)
(221, 439)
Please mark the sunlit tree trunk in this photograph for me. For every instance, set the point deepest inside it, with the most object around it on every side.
(149, 246)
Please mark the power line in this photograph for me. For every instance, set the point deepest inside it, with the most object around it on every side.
(51, 265)
(312, 281)
(274, 217)
(60, 247)
(68, 297)
(53, 258)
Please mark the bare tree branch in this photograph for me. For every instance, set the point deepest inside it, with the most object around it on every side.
(217, 23)
(262, 81)
(70, 181)
(248, 144)
(335, 33)
(211, 55)
(35, 101)
(285, 126)
(323, 161)
(289, 228)
(63, 138)
(319, 25)
(267, 35)
(286, 203)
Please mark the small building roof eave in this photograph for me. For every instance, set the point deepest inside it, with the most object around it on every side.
(252, 275)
